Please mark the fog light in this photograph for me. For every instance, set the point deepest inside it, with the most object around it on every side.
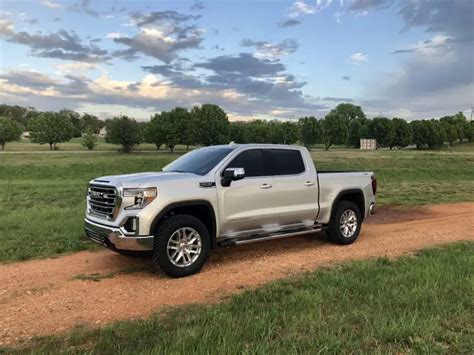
(131, 225)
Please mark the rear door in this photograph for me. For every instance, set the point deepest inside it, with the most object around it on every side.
(296, 188)
(247, 206)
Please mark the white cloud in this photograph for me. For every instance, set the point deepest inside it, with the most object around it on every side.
(51, 4)
(113, 35)
(434, 49)
(301, 8)
(271, 51)
(358, 58)
(322, 4)
(74, 68)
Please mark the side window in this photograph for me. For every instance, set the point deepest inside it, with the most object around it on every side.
(251, 161)
(284, 162)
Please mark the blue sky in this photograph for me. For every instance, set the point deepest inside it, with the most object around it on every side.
(257, 59)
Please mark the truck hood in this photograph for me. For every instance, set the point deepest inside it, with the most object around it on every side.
(143, 179)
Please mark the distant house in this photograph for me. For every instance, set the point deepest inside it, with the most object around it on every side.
(103, 132)
(25, 135)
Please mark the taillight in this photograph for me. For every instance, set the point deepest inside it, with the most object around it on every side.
(374, 184)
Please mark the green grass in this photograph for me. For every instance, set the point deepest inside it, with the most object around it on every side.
(42, 194)
(420, 304)
(74, 144)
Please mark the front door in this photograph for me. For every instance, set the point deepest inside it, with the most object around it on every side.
(247, 206)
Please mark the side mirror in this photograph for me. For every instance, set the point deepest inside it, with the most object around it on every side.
(232, 174)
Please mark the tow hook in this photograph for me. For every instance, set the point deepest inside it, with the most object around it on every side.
(372, 208)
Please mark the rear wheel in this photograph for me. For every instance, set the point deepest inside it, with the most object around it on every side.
(182, 244)
(345, 224)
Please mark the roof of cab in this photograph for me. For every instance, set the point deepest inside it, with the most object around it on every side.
(256, 145)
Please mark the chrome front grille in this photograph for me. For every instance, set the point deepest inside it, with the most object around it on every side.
(103, 200)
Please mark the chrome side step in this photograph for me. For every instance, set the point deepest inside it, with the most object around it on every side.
(265, 237)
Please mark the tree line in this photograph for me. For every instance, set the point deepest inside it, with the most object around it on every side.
(208, 124)
(45, 127)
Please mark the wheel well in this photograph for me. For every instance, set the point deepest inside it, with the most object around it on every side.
(201, 210)
(354, 196)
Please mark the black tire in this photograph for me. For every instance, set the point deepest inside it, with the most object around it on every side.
(165, 230)
(334, 232)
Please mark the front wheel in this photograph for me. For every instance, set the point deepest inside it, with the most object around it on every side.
(182, 244)
(345, 224)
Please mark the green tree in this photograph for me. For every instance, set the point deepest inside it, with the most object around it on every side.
(91, 122)
(420, 133)
(402, 133)
(381, 129)
(154, 133)
(171, 129)
(436, 133)
(460, 122)
(89, 139)
(257, 131)
(358, 128)
(9, 131)
(348, 113)
(124, 131)
(334, 130)
(29, 115)
(15, 113)
(212, 124)
(309, 131)
(51, 128)
(469, 131)
(186, 126)
(451, 131)
(275, 133)
(75, 120)
(238, 132)
(290, 132)
(279, 132)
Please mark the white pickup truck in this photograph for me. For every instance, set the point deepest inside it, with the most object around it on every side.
(225, 195)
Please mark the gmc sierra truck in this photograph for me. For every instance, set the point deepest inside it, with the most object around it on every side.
(225, 195)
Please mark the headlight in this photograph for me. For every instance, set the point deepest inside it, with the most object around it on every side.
(142, 197)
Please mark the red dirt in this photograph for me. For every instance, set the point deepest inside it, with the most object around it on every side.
(43, 297)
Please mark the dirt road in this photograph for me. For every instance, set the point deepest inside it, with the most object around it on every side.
(44, 297)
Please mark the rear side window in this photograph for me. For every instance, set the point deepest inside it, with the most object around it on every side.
(251, 161)
(283, 162)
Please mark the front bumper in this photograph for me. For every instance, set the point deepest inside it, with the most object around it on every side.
(114, 238)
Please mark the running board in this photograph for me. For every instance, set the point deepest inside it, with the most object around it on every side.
(265, 237)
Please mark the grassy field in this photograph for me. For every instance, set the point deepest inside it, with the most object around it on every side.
(419, 304)
(73, 145)
(42, 194)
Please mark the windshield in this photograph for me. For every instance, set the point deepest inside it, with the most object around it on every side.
(199, 161)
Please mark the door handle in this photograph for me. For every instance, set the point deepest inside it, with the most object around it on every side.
(309, 183)
(265, 186)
